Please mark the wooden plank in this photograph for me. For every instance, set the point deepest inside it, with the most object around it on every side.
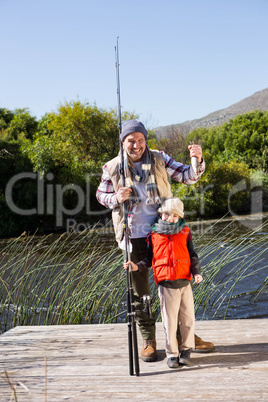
(90, 362)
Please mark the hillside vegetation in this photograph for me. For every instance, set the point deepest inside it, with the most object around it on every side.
(257, 101)
(236, 155)
(57, 161)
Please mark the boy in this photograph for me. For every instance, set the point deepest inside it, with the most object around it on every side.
(171, 254)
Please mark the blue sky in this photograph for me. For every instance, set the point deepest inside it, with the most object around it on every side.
(179, 59)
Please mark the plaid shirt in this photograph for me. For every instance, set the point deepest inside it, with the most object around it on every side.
(175, 170)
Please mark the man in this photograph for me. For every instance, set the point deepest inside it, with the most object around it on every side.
(147, 185)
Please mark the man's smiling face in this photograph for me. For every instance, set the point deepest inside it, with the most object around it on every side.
(135, 145)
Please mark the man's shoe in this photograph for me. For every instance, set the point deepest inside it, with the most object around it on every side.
(173, 362)
(202, 346)
(185, 356)
(148, 353)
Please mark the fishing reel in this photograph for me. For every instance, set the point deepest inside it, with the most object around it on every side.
(146, 302)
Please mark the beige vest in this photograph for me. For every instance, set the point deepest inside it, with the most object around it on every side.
(161, 180)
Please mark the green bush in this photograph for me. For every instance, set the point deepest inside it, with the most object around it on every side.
(210, 196)
(72, 144)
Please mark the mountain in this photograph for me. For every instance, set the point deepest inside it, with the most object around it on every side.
(259, 101)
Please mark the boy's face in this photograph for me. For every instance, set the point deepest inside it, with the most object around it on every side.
(170, 218)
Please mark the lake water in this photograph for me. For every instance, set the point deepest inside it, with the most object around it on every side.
(216, 243)
(250, 266)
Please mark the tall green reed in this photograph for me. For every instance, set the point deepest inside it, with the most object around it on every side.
(231, 267)
(73, 279)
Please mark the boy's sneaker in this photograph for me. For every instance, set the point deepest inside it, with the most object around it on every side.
(173, 362)
(185, 356)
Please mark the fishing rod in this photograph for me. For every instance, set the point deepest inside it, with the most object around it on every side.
(132, 330)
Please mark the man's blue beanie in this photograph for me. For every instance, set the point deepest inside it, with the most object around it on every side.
(133, 126)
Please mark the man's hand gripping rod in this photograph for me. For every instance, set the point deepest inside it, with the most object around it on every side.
(132, 331)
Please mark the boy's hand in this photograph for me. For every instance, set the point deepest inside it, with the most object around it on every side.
(198, 278)
(134, 267)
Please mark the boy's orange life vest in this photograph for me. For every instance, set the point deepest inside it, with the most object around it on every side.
(171, 259)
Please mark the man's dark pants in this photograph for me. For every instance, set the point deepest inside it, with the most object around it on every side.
(140, 283)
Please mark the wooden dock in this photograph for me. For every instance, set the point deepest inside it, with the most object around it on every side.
(90, 362)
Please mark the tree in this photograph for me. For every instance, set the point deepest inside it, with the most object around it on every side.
(174, 144)
(19, 124)
(73, 144)
(12, 163)
(77, 135)
(210, 197)
(5, 118)
(244, 139)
